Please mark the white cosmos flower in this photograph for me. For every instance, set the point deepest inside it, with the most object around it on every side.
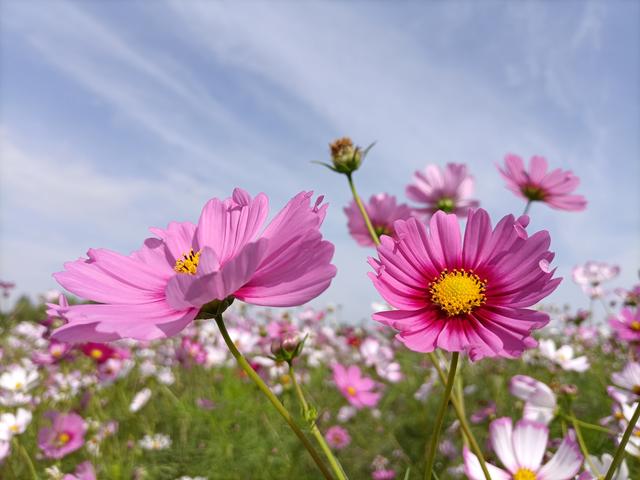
(140, 400)
(16, 383)
(158, 441)
(602, 467)
(14, 424)
(628, 378)
(563, 356)
(521, 450)
(540, 401)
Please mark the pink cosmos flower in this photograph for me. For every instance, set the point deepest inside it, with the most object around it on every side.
(337, 437)
(627, 324)
(358, 390)
(159, 289)
(540, 401)
(65, 435)
(553, 188)
(591, 275)
(628, 378)
(382, 210)
(469, 295)
(447, 189)
(521, 450)
(484, 413)
(84, 471)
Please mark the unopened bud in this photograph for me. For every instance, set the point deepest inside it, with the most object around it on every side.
(346, 157)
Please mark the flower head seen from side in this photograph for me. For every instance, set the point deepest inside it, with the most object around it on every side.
(159, 289)
(591, 275)
(383, 210)
(536, 185)
(601, 466)
(464, 294)
(358, 390)
(447, 189)
(564, 356)
(628, 378)
(65, 435)
(84, 471)
(540, 401)
(627, 324)
(521, 450)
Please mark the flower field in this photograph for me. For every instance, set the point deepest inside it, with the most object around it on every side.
(197, 356)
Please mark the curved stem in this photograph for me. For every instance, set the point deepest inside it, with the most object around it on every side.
(26, 457)
(435, 436)
(251, 373)
(583, 445)
(464, 425)
(617, 458)
(526, 209)
(333, 461)
(363, 212)
(590, 426)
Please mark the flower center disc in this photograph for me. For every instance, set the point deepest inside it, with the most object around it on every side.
(533, 193)
(458, 291)
(188, 263)
(635, 326)
(351, 391)
(524, 474)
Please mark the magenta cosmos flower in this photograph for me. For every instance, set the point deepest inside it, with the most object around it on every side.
(536, 185)
(358, 390)
(160, 288)
(65, 435)
(521, 450)
(447, 189)
(382, 210)
(627, 324)
(337, 437)
(464, 295)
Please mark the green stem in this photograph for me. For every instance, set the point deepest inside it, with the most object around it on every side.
(363, 212)
(590, 426)
(251, 373)
(526, 209)
(464, 425)
(435, 436)
(617, 458)
(583, 445)
(26, 457)
(333, 461)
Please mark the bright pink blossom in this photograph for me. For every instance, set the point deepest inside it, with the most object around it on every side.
(337, 437)
(449, 189)
(521, 451)
(627, 324)
(466, 294)
(358, 390)
(382, 210)
(159, 289)
(553, 188)
(65, 435)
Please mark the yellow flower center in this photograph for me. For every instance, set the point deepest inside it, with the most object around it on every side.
(63, 438)
(285, 379)
(635, 325)
(351, 391)
(14, 428)
(19, 386)
(188, 263)
(458, 291)
(96, 353)
(524, 474)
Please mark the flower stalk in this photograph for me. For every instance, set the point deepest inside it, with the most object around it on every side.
(310, 416)
(363, 211)
(251, 373)
(435, 435)
(619, 455)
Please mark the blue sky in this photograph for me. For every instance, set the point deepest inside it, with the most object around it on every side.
(116, 116)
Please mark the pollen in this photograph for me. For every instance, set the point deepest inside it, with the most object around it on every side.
(188, 263)
(458, 291)
(524, 474)
(635, 326)
(63, 438)
(96, 353)
(351, 391)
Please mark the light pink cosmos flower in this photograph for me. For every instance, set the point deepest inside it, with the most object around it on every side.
(84, 471)
(464, 295)
(337, 437)
(449, 189)
(627, 324)
(382, 210)
(536, 185)
(591, 275)
(628, 378)
(159, 289)
(65, 435)
(521, 450)
(540, 401)
(358, 390)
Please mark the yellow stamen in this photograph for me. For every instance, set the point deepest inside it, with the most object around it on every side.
(351, 391)
(14, 428)
(636, 389)
(635, 326)
(63, 438)
(188, 263)
(96, 353)
(524, 474)
(458, 291)
(19, 386)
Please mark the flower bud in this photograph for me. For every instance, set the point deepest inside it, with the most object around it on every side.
(286, 348)
(346, 157)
